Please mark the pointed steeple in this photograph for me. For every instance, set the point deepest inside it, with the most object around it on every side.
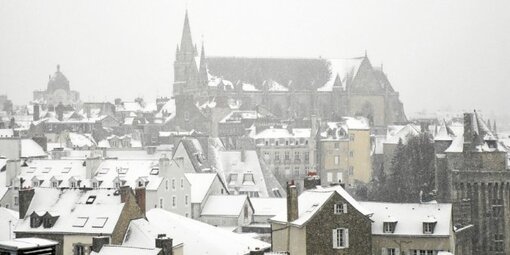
(494, 129)
(186, 40)
(203, 67)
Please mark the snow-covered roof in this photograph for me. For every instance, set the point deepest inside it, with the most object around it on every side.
(396, 133)
(197, 237)
(410, 218)
(283, 133)
(126, 250)
(345, 69)
(6, 132)
(8, 220)
(27, 243)
(311, 201)
(268, 206)
(224, 205)
(30, 149)
(200, 185)
(81, 140)
(75, 215)
(356, 123)
(274, 86)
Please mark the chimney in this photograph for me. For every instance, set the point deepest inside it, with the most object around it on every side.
(36, 112)
(165, 244)
(91, 165)
(13, 169)
(140, 198)
(311, 182)
(25, 198)
(292, 202)
(124, 193)
(243, 155)
(98, 242)
(151, 150)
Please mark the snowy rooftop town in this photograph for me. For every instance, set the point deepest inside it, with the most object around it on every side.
(249, 156)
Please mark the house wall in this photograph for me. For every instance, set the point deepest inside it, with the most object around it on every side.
(130, 211)
(10, 148)
(289, 238)
(408, 243)
(360, 145)
(181, 152)
(328, 152)
(319, 237)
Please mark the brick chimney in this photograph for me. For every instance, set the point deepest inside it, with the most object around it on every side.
(124, 193)
(140, 198)
(25, 198)
(469, 133)
(37, 113)
(91, 165)
(98, 242)
(165, 244)
(292, 202)
(13, 169)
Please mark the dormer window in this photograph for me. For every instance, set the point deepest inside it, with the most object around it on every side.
(428, 227)
(35, 220)
(340, 208)
(389, 227)
(248, 179)
(232, 179)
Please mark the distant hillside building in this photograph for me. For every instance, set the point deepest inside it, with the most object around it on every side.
(57, 92)
(289, 88)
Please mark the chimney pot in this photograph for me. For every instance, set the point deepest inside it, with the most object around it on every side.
(98, 242)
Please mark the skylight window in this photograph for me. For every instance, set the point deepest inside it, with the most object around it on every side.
(99, 222)
(80, 222)
(104, 170)
(46, 170)
(31, 170)
(91, 200)
(66, 170)
(122, 170)
(155, 171)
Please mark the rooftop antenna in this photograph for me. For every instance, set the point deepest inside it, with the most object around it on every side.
(366, 53)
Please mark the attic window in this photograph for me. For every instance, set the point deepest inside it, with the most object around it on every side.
(104, 170)
(155, 171)
(232, 179)
(340, 208)
(389, 227)
(46, 170)
(66, 170)
(80, 222)
(428, 227)
(248, 179)
(90, 200)
(99, 222)
(312, 208)
(277, 193)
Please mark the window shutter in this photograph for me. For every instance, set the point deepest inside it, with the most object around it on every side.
(335, 238)
(346, 233)
(397, 251)
(384, 251)
(345, 208)
(334, 208)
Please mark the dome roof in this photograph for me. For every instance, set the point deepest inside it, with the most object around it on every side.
(58, 81)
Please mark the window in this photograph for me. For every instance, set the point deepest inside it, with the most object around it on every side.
(389, 227)
(337, 160)
(174, 201)
(182, 183)
(423, 252)
(66, 170)
(173, 184)
(166, 185)
(337, 145)
(296, 171)
(122, 170)
(80, 222)
(296, 155)
(340, 238)
(90, 200)
(276, 156)
(330, 177)
(267, 143)
(340, 208)
(351, 154)
(287, 155)
(99, 222)
(54, 184)
(307, 157)
(154, 171)
(391, 251)
(160, 202)
(79, 249)
(186, 199)
(233, 179)
(428, 228)
(16, 201)
(276, 192)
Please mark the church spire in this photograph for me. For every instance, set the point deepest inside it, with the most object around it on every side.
(186, 40)
(203, 67)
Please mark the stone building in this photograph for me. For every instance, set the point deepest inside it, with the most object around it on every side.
(472, 174)
(57, 92)
(287, 87)
(322, 221)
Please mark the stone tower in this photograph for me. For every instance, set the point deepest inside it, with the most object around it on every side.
(472, 174)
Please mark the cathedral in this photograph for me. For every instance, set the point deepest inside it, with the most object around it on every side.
(57, 92)
(289, 88)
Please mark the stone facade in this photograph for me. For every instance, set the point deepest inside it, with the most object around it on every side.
(473, 175)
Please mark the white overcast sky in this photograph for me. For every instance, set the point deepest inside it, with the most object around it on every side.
(437, 53)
